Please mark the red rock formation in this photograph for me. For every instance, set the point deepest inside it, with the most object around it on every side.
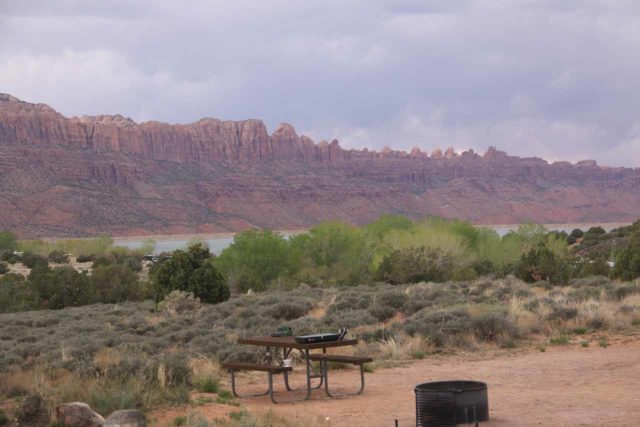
(79, 176)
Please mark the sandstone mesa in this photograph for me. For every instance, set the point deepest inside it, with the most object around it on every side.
(81, 176)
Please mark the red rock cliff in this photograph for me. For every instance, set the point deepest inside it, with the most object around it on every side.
(95, 174)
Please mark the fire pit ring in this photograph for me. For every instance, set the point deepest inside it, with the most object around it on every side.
(448, 403)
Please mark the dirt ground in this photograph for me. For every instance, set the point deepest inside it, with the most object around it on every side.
(563, 386)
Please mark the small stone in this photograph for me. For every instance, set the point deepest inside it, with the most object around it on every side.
(78, 414)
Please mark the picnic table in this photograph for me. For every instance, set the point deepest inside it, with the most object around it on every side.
(287, 345)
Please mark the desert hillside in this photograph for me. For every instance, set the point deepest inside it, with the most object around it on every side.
(75, 176)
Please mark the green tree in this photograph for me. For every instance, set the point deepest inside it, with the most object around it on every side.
(335, 252)
(116, 283)
(575, 234)
(384, 223)
(596, 230)
(541, 263)
(32, 260)
(14, 294)
(254, 259)
(8, 241)
(627, 266)
(59, 287)
(191, 271)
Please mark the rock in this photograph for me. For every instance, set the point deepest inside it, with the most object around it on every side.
(78, 414)
(107, 174)
(126, 418)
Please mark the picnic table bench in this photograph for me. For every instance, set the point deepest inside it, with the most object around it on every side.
(288, 344)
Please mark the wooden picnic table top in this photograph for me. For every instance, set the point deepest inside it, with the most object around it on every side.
(290, 342)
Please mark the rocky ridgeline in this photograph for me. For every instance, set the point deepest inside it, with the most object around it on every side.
(207, 139)
(64, 176)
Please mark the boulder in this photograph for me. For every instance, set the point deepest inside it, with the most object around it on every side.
(126, 418)
(78, 414)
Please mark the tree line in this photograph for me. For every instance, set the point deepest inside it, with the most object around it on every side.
(392, 249)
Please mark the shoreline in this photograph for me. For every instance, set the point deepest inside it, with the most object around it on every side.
(187, 237)
(230, 234)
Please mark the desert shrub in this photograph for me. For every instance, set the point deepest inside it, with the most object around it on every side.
(179, 302)
(351, 300)
(622, 291)
(541, 263)
(419, 298)
(58, 257)
(349, 319)
(174, 370)
(597, 322)
(489, 326)
(562, 313)
(31, 260)
(115, 283)
(391, 298)
(32, 411)
(4, 267)
(593, 281)
(115, 395)
(208, 385)
(414, 265)
(382, 312)
(191, 271)
(387, 303)
(290, 309)
(438, 324)
(560, 340)
(584, 294)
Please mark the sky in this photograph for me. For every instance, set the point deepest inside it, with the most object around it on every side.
(546, 78)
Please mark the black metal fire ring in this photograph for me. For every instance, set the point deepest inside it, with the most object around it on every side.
(449, 403)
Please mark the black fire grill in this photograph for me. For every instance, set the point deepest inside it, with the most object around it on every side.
(448, 403)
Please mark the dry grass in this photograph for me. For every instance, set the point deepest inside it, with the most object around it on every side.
(93, 350)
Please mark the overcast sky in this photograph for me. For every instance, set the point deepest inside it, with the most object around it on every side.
(558, 79)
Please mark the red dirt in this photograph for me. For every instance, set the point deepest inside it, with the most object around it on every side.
(563, 386)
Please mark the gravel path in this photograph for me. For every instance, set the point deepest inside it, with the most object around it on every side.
(563, 386)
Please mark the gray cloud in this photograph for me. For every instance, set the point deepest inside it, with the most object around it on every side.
(546, 78)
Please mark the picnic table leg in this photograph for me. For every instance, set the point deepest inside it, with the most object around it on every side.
(326, 382)
(286, 374)
(233, 387)
(306, 353)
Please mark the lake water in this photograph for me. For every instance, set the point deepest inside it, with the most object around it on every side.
(217, 245)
